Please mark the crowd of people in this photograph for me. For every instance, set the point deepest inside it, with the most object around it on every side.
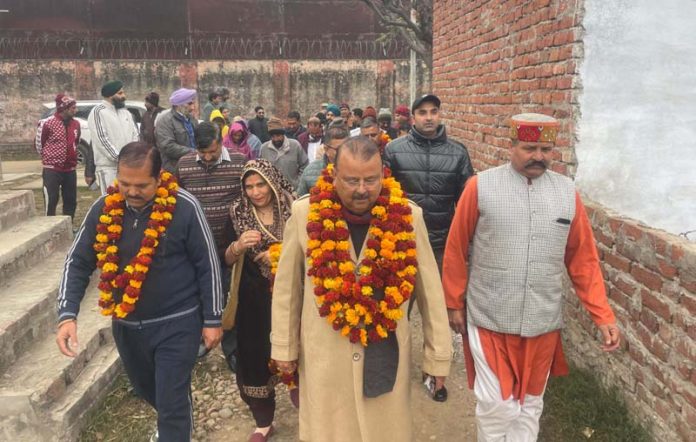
(303, 249)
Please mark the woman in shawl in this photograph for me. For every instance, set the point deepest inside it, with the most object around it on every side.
(239, 139)
(257, 218)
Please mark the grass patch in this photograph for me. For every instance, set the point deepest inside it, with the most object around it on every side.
(578, 408)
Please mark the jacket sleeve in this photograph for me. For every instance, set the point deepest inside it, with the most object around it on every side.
(79, 265)
(286, 310)
(302, 159)
(302, 188)
(582, 262)
(41, 136)
(437, 339)
(202, 252)
(455, 264)
(164, 133)
(466, 172)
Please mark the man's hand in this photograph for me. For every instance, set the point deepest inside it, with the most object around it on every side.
(89, 180)
(611, 337)
(286, 366)
(66, 338)
(212, 336)
(457, 320)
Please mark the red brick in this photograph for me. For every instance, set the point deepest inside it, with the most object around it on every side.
(666, 269)
(646, 277)
(649, 320)
(632, 231)
(656, 304)
(618, 262)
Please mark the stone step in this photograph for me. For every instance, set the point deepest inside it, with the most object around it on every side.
(42, 374)
(15, 206)
(90, 387)
(25, 246)
(28, 308)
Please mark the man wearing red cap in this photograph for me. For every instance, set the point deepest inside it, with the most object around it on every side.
(517, 230)
(56, 141)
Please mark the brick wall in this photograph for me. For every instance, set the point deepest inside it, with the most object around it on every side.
(496, 58)
(277, 85)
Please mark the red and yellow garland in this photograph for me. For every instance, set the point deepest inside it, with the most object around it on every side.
(109, 232)
(344, 296)
(274, 256)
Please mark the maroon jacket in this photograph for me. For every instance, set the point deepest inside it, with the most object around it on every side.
(57, 143)
(303, 139)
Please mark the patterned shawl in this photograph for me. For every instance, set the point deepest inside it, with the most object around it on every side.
(243, 213)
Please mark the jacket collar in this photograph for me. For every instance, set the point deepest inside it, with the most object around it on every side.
(440, 137)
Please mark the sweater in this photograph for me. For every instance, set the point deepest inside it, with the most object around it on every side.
(290, 159)
(56, 142)
(184, 274)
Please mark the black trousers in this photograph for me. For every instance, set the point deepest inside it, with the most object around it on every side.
(158, 359)
(56, 185)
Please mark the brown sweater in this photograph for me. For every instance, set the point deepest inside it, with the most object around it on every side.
(214, 186)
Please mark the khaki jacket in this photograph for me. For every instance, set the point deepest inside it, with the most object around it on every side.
(330, 367)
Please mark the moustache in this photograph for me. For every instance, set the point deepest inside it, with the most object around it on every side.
(360, 196)
(535, 164)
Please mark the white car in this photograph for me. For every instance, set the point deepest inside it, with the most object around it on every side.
(84, 107)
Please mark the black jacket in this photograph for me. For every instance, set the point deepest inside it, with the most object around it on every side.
(259, 128)
(184, 274)
(432, 172)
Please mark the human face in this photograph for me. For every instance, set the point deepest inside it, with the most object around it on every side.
(314, 129)
(260, 114)
(384, 124)
(237, 136)
(258, 190)
(345, 113)
(186, 109)
(372, 132)
(210, 154)
(358, 182)
(292, 124)
(331, 148)
(217, 100)
(402, 118)
(426, 119)
(70, 112)
(225, 114)
(531, 159)
(136, 184)
(330, 116)
(149, 106)
(119, 99)
(277, 139)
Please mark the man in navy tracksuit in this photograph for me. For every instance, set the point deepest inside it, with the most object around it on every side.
(180, 300)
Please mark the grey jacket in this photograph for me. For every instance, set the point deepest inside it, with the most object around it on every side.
(173, 139)
(290, 159)
(310, 175)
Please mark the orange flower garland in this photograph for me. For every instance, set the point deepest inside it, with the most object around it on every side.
(109, 232)
(345, 296)
(274, 255)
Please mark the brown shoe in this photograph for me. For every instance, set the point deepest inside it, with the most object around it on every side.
(258, 437)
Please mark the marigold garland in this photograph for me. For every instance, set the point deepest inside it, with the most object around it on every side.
(274, 255)
(109, 232)
(344, 293)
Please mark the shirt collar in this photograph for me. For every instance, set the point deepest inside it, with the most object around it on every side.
(225, 156)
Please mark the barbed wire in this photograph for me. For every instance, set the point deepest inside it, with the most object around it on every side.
(222, 48)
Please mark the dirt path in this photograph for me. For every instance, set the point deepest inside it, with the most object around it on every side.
(449, 421)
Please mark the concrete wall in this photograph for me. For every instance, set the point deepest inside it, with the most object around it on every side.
(637, 135)
(279, 86)
(495, 58)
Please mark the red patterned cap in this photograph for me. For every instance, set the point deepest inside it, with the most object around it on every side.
(534, 128)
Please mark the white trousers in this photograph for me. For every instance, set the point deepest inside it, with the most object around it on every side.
(105, 178)
(498, 419)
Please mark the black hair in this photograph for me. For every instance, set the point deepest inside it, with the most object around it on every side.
(213, 95)
(358, 147)
(258, 108)
(368, 122)
(358, 112)
(336, 132)
(137, 153)
(206, 133)
(294, 114)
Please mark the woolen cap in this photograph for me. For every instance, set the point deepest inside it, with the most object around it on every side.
(534, 128)
(427, 98)
(64, 102)
(275, 126)
(111, 88)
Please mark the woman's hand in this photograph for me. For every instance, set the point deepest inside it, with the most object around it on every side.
(248, 239)
(263, 258)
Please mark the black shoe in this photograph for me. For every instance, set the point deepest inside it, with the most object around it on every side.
(440, 395)
(232, 362)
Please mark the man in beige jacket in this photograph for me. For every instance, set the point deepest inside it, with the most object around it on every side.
(351, 347)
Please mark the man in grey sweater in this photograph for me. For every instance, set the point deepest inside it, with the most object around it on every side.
(174, 129)
(286, 154)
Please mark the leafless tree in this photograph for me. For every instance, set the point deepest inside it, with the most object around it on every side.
(396, 16)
